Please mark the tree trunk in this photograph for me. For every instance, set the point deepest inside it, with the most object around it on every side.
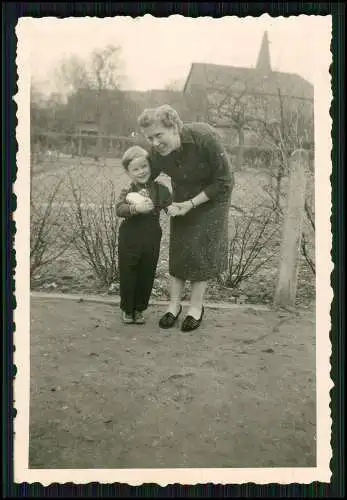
(240, 150)
(98, 146)
(278, 188)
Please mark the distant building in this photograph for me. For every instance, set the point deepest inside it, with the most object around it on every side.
(229, 97)
(157, 97)
(116, 111)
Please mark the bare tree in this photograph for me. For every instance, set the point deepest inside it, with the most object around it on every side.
(71, 75)
(285, 125)
(102, 69)
(100, 74)
(226, 104)
(280, 124)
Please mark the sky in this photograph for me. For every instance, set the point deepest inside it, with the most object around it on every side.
(158, 51)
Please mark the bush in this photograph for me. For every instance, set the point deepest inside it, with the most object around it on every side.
(96, 234)
(254, 243)
(49, 239)
(277, 200)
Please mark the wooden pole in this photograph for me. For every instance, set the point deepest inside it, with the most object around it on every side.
(80, 146)
(285, 294)
(240, 149)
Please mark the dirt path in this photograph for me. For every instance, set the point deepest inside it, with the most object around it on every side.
(239, 392)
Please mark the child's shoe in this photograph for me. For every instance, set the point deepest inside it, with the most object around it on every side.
(127, 318)
(139, 318)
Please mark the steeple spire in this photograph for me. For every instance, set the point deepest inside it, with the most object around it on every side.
(264, 62)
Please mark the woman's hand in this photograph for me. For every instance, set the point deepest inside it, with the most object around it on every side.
(183, 207)
(172, 210)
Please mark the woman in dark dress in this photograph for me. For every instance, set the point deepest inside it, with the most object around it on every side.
(202, 181)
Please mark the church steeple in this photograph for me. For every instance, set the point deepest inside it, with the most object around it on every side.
(264, 62)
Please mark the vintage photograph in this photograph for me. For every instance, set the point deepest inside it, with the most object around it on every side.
(173, 182)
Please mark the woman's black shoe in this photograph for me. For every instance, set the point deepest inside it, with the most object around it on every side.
(189, 323)
(168, 320)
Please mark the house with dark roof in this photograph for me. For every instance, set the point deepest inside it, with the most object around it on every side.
(232, 98)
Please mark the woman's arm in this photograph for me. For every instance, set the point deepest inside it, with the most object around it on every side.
(223, 177)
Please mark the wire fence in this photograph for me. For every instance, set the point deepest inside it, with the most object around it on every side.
(48, 146)
(52, 145)
(97, 181)
(72, 159)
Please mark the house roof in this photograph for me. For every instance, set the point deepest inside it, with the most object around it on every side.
(257, 81)
(261, 80)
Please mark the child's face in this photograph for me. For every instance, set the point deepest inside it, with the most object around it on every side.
(139, 170)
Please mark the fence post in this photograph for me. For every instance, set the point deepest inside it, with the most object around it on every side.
(285, 294)
(80, 152)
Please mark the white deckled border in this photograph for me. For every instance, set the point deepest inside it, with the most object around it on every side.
(323, 145)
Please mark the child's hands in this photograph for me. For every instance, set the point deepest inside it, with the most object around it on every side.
(144, 206)
(141, 203)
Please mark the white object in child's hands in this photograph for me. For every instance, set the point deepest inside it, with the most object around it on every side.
(143, 204)
(135, 198)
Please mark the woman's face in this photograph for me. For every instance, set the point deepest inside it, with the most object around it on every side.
(163, 140)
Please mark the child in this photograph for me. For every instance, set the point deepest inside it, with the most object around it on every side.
(139, 234)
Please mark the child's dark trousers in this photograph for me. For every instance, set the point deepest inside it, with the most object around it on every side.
(138, 253)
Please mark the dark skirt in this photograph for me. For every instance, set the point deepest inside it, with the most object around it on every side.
(198, 242)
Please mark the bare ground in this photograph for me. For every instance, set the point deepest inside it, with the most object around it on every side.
(238, 392)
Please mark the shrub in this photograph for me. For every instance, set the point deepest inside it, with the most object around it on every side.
(277, 200)
(96, 234)
(254, 243)
(49, 239)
